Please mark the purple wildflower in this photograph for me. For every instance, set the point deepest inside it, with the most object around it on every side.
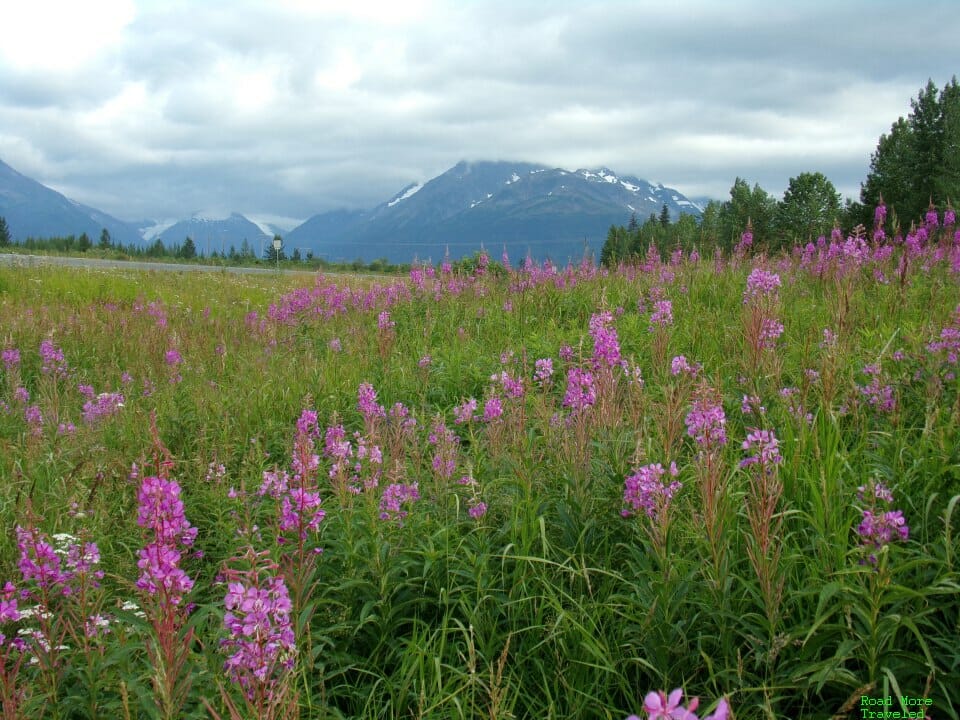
(760, 283)
(394, 496)
(646, 492)
(581, 393)
(765, 447)
(543, 370)
(10, 357)
(662, 314)
(706, 423)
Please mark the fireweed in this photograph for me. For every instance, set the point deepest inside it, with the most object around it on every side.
(706, 424)
(260, 645)
(879, 525)
(660, 706)
(764, 543)
(648, 496)
(164, 585)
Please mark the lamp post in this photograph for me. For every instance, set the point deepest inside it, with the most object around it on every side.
(277, 244)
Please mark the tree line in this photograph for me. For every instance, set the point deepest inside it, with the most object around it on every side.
(915, 166)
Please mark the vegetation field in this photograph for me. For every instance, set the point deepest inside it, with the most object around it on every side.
(497, 491)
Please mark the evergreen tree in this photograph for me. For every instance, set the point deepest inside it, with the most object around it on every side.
(917, 161)
(188, 250)
(5, 238)
(664, 215)
(296, 255)
(83, 243)
(634, 224)
(105, 241)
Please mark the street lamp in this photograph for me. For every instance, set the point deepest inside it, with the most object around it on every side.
(277, 244)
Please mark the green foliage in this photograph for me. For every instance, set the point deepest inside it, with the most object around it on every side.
(916, 162)
(809, 209)
(4, 232)
(552, 604)
(188, 250)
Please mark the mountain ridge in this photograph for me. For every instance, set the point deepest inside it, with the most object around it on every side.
(527, 208)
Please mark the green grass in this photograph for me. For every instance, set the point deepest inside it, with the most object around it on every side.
(552, 604)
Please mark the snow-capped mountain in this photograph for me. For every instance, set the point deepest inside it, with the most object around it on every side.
(524, 207)
(211, 232)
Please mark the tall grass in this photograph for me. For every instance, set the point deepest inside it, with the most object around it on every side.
(505, 581)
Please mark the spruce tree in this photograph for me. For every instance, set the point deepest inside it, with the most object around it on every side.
(5, 238)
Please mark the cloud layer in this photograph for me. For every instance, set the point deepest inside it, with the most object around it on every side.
(151, 108)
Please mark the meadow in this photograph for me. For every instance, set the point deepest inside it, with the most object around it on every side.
(519, 491)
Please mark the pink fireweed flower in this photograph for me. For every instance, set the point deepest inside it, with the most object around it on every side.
(21, 395)
(645, 492)
(662, 314)
(173, 357)
(770, 331)
(760, 283)
(300, 510)
(606, 345)
(660, 706)
(679, 364)
(367, 402)
(52, 360)
(706, 423)
(261, 642)
(384, 323)
(477, 510)
(566, 353)
(10, 357)
(34, 419)
(86, 390)
(394, 496)
(765, 447)
(106, 405)
(879, 525)
(492, 409)
(581, 393)
(465, 412)
(335, 345)
(425, 361)
(543, 370)
(161, 513)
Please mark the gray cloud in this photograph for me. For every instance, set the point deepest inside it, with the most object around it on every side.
(280, 109)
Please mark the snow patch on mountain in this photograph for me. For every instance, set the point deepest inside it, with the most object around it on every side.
(413, 189)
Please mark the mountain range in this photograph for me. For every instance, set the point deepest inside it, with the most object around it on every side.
(522, 207)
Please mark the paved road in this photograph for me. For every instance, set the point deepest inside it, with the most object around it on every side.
(34, 260)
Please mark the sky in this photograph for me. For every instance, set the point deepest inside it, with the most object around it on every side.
(282, 109)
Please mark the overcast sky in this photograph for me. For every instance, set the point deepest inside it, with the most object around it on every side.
(284, 108)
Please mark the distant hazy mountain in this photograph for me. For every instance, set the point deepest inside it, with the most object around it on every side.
(211, 234)
(34, 210)
(526, 208)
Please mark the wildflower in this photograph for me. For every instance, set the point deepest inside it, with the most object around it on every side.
(477, 510)
(261, 642)
(425, 361)
(662, 314)
(879, 525)
(173, 357)
(335, 345)
(105, 405)
(766, 450)
(606, 345)
(770, 331)
(10, 358)
(384, 323)
(465, 412)
(566, 353)
(581, 393)
(646, 492)
(706, 423)
(543, 370)
(395, 495)
(52, 360)
(760, 283)
(492, 409)
(679, 364)
(161, 513)
(367, 402)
